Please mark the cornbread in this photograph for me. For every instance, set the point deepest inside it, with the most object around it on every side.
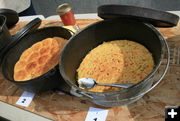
(118, 61)
(38, 59)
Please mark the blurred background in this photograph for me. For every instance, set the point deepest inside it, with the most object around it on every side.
(48, 7)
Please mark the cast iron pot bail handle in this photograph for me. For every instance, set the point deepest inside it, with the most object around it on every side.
(1, 27)
(73, 33)
(79, 93)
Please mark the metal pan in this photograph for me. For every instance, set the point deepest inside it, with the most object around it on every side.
(51, 79)
(108, 30)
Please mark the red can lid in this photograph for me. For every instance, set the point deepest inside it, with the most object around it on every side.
(63, 8)
(154, 17)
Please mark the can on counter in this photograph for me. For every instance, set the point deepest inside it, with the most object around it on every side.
(67, 16)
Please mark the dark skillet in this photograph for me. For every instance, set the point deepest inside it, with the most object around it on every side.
(51, 79)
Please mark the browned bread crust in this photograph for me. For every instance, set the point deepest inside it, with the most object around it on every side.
(38, 59)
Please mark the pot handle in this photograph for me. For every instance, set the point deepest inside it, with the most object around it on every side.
(79, 93)
(73, 33)
(3, 23)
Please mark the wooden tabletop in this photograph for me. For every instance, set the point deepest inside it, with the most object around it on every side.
(62, 107)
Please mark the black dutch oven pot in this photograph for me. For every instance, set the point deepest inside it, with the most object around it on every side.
(23, 39)
(50, 80)
(5, 36)
(8, 18)
(122, 22)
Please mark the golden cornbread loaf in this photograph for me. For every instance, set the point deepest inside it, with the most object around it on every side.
(38, 59)
(119, 61)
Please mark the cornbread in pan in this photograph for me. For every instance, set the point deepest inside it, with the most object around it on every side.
(38, 59)
(119, 61)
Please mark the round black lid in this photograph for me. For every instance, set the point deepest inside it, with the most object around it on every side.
(11, 15)
(155, 17)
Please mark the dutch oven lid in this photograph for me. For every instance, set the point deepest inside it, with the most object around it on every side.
(155, 17)
(11, 17)
(33, 25)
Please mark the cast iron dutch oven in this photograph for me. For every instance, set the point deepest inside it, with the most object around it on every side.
(51, 79)
(19, 42)
(5, 36)
(8, 18)
(121, 22)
